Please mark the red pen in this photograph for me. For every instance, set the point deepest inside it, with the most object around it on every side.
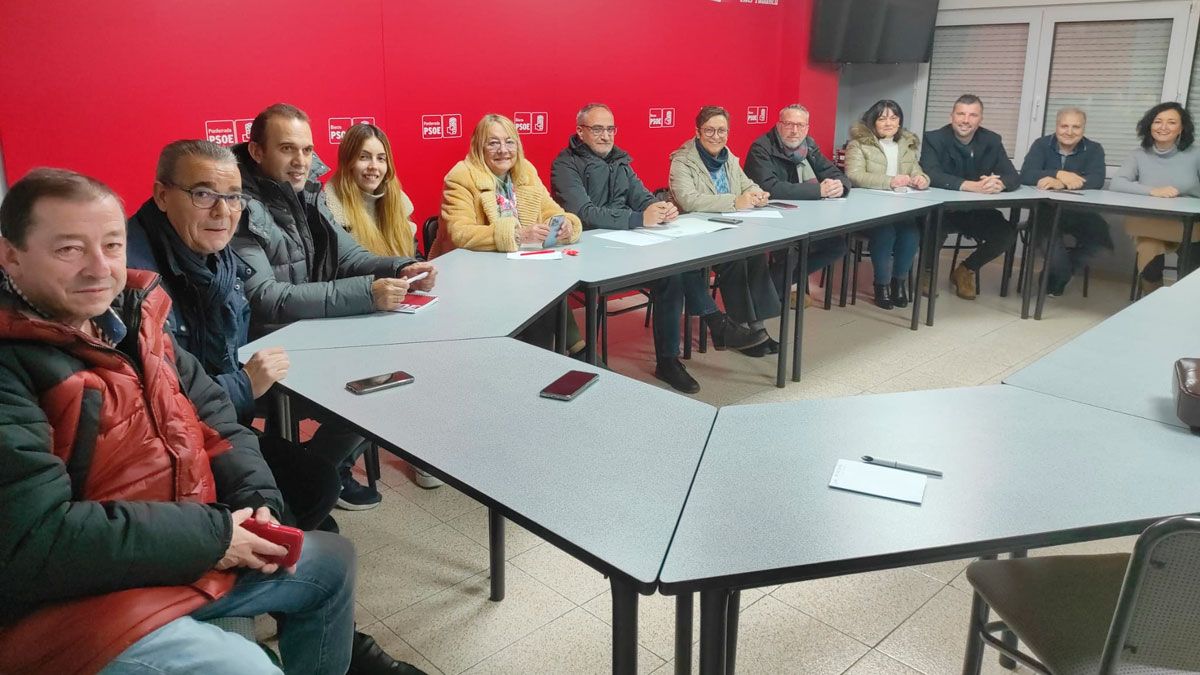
(545, 250)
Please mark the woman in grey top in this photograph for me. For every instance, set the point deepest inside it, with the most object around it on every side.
(1167, 165)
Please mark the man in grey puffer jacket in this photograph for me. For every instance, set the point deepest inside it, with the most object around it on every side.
(302, 266)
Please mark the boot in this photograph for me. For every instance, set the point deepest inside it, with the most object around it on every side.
(671, 371)
(882, 301)
(728, 335)
(963, 281)
(899, 293)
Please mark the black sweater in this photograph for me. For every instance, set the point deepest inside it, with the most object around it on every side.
(949, 163)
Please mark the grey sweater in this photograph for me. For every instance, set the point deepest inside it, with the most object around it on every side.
(1145, 169)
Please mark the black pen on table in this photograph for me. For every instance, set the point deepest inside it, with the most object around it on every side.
(891, 463)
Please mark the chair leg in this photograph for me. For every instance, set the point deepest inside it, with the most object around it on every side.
(957, 247)
(825, 274)
(1087, 273)
(1024, 261)
(649, 312)
(604, 331)
(1133, 284)
(973, 657)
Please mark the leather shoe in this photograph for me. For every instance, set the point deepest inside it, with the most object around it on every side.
(368, 658)
(726, 334)
(963, 281)
(899, 293)
(673, 373)
(768, 347)
(882, 301)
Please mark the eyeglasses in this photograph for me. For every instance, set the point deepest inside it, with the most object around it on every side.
(494, 145)
(598, 130)
(203, 198)
(709, 132)
(794, 125)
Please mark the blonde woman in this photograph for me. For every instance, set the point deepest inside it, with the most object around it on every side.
(493, 200)
(365, 198)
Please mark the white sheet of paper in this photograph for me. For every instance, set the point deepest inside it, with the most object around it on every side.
(529, 255)
(632, 237)
(755, 213)
(689, 225)
(881, 481)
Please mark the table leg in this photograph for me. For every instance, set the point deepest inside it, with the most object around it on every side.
(1045, 275)
(683, 633)
(1027, 265)
(781, 361)
(935, 263)
(1185, 248)
(624, 625)
(731, 630)
(496, 553)
(592, 302)
(801, 294)
(560, 336)
(714, 612)
(1014, 219)
(915, 295)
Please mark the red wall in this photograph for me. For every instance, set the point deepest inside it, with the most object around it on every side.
(100, 87)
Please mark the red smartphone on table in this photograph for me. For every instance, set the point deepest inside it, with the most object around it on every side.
(288, 537)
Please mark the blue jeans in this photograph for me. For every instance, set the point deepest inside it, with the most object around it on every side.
(671, 295)
(821, 254)
(1091, 235)
(892, 250)
(314, 607)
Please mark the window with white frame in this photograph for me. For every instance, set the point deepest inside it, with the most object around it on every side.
(1114, 71)
(1193, 102)
(985, 60)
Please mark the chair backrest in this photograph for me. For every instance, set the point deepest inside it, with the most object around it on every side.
(1156, 626)
(428, 233)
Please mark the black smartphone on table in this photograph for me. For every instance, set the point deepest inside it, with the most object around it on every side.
(725, 220)
(569, 386)
(782, 205)
(375, 383)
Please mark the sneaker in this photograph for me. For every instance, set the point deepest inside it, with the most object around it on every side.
(963, 281)
(729, 335)
(356, 497)
(426, 480)
(808, 299)
(758, 351)
(924, 283)
(368, 658)
(673, 373)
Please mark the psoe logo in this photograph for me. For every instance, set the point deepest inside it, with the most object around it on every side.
(242, 129)
(756, 114)
(441, 126)
(338, 126)
(535, 123)
(662, 118)
(220, 132)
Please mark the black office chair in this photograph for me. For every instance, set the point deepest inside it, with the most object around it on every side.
(1114, 614)
(429, 231)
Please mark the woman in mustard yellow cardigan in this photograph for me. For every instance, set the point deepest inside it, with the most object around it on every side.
(494, 201)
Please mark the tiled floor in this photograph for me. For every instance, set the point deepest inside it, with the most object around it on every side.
(423, 559)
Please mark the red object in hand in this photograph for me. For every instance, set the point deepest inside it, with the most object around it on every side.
(571, 251)
(288, 537)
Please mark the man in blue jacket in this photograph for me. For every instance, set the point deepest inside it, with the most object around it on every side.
(1068, 160)
(964, 156)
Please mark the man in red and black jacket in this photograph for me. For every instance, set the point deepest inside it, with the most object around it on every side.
(124, 475)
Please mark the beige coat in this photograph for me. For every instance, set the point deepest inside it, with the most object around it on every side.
(866, 165)
(471, 218)
(692, 187)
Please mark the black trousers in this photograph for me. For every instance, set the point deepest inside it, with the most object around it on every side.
(747, 290)
(988, 227)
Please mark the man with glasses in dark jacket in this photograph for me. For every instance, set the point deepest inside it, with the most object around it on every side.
(592, 178)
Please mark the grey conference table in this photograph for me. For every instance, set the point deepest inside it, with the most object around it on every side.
(956, 200)
(603, 477)
(1186, 209)
(1022, 470)
(1124, 364)
(604, 266)
(479, 295)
